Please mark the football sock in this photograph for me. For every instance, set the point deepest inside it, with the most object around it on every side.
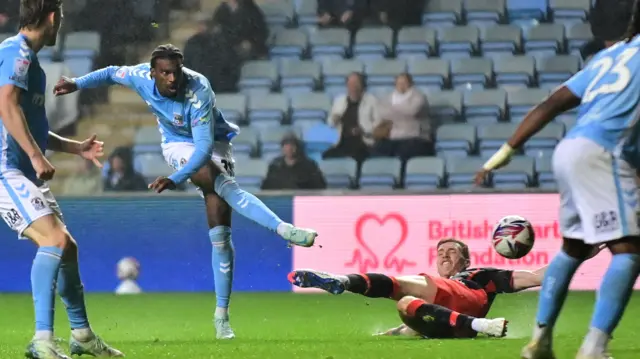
(43, 277)
(432, 312)
(555, 287)
(71, 291)
(615, 291)
(222, 262)
(245, 203)
(372, 285)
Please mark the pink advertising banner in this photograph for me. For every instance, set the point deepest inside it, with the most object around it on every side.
(397, 235)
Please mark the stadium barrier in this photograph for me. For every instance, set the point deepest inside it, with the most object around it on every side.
(394, 234)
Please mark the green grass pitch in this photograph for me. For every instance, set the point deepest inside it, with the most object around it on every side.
(287, 325)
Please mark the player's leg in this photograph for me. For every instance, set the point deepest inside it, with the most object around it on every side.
(222, 257)
(436, 321)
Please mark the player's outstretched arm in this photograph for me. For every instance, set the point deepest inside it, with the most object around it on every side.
(528, 279)
(104, 77)
(90, 149)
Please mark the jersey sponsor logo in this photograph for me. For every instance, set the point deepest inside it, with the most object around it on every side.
(183, 161)
(606, 221)
(121, 73)
(38, 100)
(37, 204)
(178, 120)
(201, 121)
(12, 217)
(20, 70)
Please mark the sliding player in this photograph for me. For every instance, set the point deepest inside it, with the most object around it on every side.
(26, 203)
(196, 143)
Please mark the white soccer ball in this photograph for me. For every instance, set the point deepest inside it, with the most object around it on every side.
(513, 237)
(128, 268)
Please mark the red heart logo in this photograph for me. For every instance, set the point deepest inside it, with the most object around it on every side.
(387, 240)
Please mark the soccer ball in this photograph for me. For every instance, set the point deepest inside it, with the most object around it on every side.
(128, 268)
(513, 237)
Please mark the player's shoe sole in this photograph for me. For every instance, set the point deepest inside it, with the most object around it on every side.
(316, 279)
(496, 327)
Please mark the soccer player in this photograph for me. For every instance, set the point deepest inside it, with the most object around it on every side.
(451, 305)
(26, 203)
(594, 166)
(196, 143)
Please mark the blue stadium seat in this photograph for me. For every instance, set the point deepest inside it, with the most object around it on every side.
(339, 173)
(555, 70)
(299, 76)
(310, 109)
(233, 107)
(416, 42)
(543, 143)
(442, 13)
(373, 43)
(485, 12)
(461, 171)
(521, 101)
(245, 144)
(445, 106)
(517, 174)
(146, 139)
(544, 170)
(319, 138)
(578, 35)
(455, 140)
(459, 42)
(482, 107)
(152, 166)
(289, 43)
(527, 9)
(569, 11)
(424, 173)
(544, 40)
(382, 173)
(250, 173)
(267, 110)
(335, 74)
(501, 40)
(492, 137)
(278, 12)
(430, 73)
(258, 75)
(514, 71)
(473, 73)
(330, 43)
(383, 73)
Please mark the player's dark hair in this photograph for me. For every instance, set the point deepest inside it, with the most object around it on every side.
(34, 12)
(634, 23)
(167, 51)
(464, 248)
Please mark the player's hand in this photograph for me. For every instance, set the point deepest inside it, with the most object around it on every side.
(91, 149)
(162, 183)
(481, 177)
(44, 169)
(65, 86)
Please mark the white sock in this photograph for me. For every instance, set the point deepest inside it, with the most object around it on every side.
(479, 325)
(283, 228)
(83, 334)
(222, 312)
(43, 335)
(595, 342)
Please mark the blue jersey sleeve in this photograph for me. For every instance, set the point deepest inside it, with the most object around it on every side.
(14, 66)
(202, 105)
(122, 75)
(579, 82)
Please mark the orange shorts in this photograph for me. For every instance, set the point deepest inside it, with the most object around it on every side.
(460, 298)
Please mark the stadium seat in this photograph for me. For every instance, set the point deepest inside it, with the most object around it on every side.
(483, 12)
(261, 75)
(424, 173)
(481, 107)
(526, 9)
(147, 139)
(380, 173)
(233, 107)
(152, 166)
(517, 174)
(310, 109)
(289, 43)
(382, 73)
(278, 12)
(455, 140)
(339, 173)
(330, 43)
(373, 43)
(577, 36)
(319, 138)
(544, 170)
(501, 40)
(79, 66)
(245, 144)
(299, 76)
(271, 139)
(267, 110)
(555, 70)
(568, 120)
(471, 73)
(429, 73)
(459, 42)
(492, 137)
(307, 13)
(442, 13)
(445, 106)
(514, 71)
(543, 143)
(416, 42)
(521, 101)
(250, 173)
(461, 171)
(83, 44)
(544, 40)
(569, 11)
(335, 75)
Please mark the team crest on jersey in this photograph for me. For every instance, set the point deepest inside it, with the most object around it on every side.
(121, 73)
(183, 161)
(37, 204)
(178, 120)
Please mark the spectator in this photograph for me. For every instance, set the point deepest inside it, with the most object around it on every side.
(121, 175)
(343, 13)
(85, 181)
(244, 25)
(404, 131)
(355, 115)
(293, 170)
(223, 69)
(396, 13)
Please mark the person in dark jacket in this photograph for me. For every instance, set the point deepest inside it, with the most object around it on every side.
(244, 25)
(293, 170)
(121, 175)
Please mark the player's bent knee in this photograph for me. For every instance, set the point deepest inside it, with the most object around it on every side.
(408, 304)
(221, 238)
(626, 245)
(225, 185)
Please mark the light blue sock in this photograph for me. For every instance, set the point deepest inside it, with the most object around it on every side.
(555, 287)
(222, 262)
(44, 272)
(615, 291)
(245, 203)
(71, 291)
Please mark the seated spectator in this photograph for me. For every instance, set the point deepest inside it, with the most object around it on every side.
(86, 181)
(342, 13)
(121, 175)
(293, 170)
(404, 131)
(396, 13)
(355, 115)
(244, 25)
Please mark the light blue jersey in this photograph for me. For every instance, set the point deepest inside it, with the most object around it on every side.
(19, 67)
(610, 90)
(190, 117)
